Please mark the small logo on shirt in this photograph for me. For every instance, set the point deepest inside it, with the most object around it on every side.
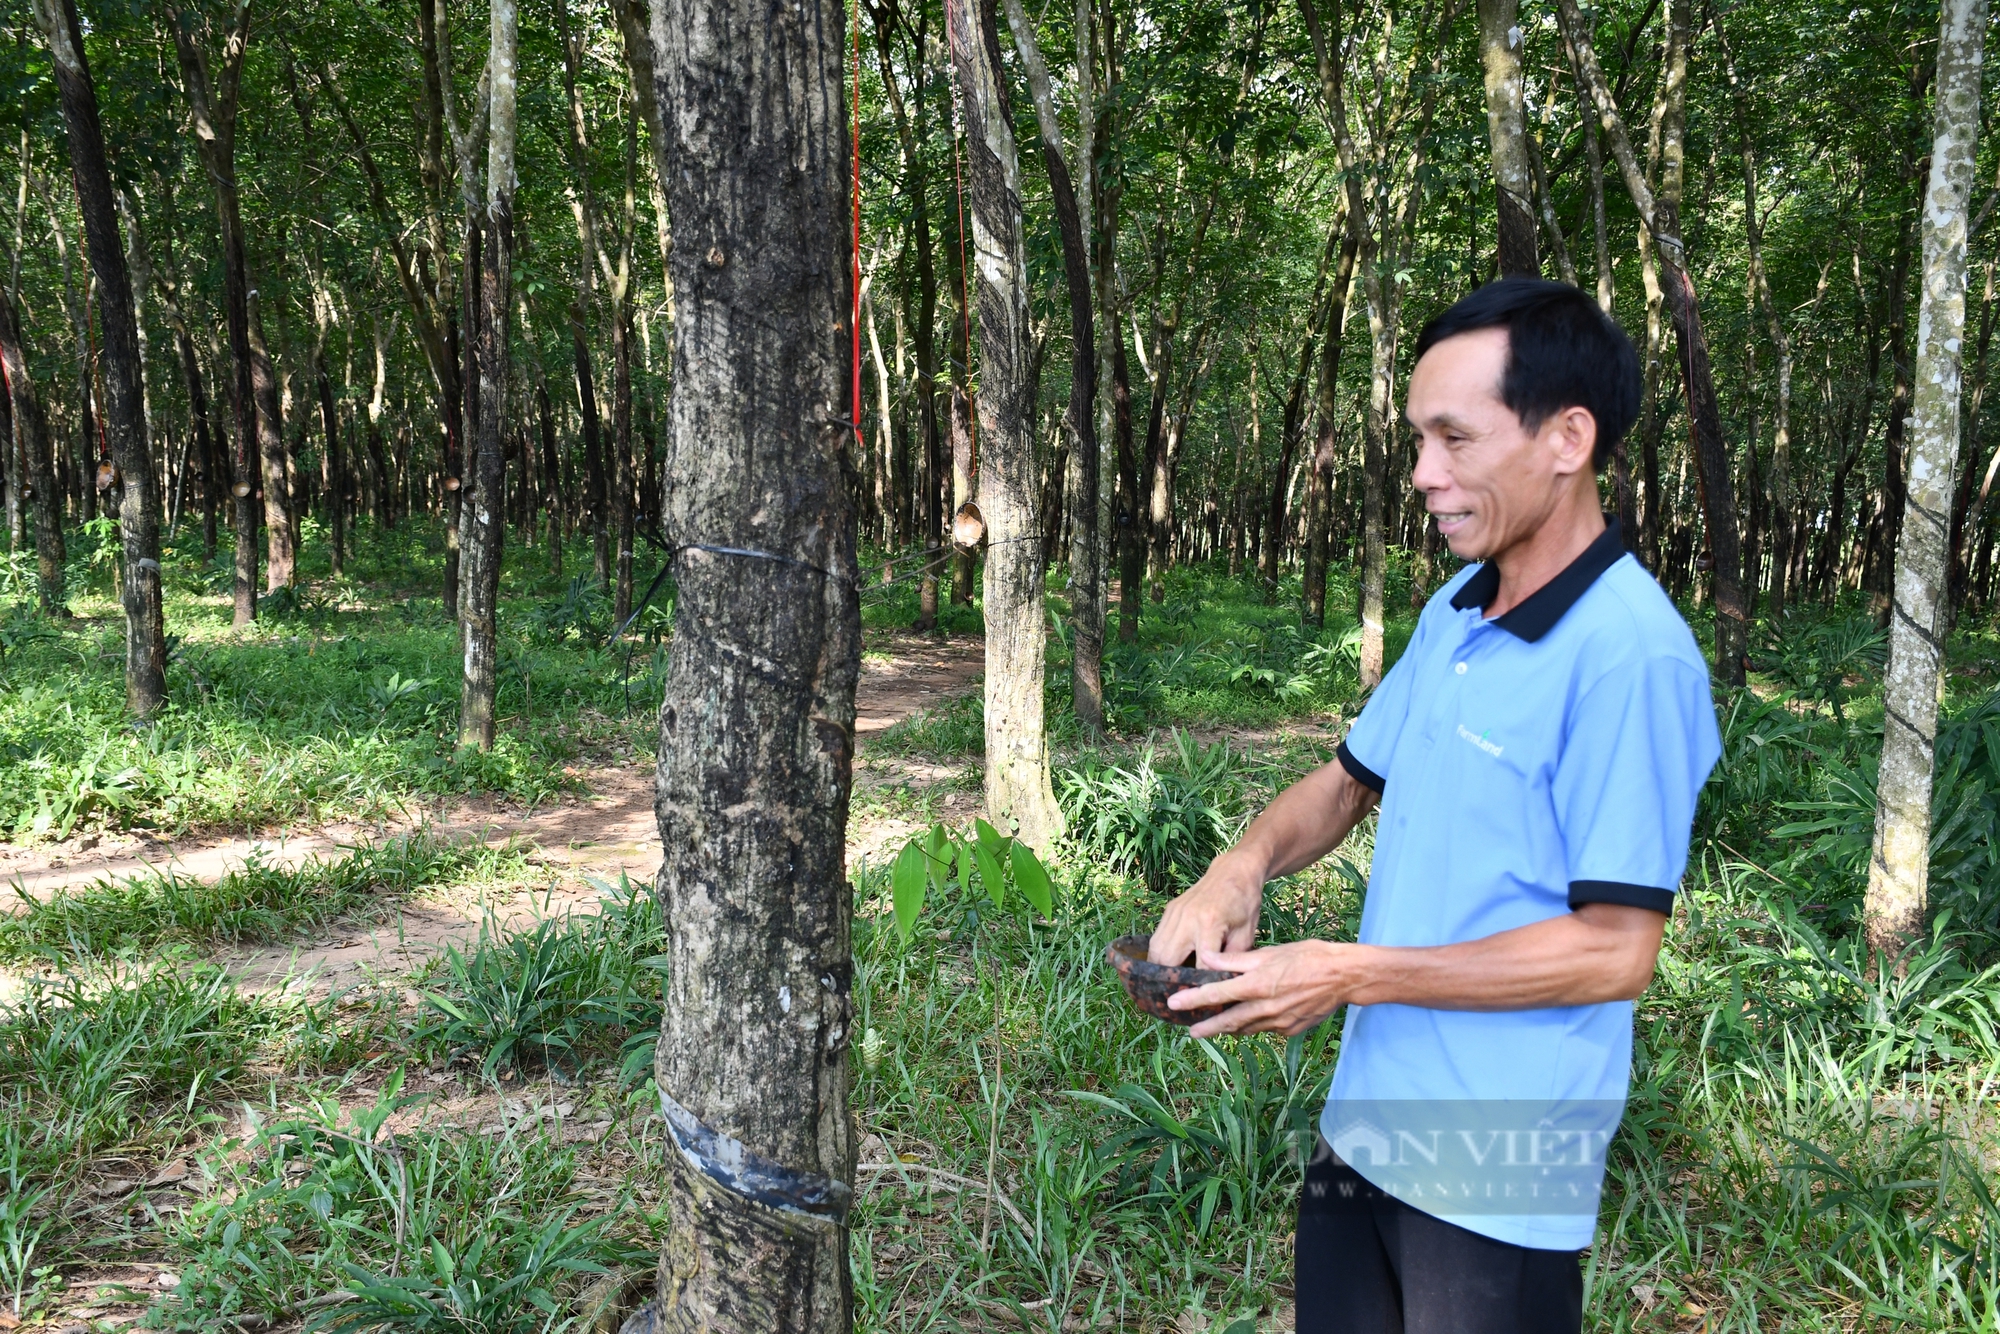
(1481, 740)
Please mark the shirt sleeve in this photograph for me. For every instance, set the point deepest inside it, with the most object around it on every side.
(1639, 747)
(1371, 742)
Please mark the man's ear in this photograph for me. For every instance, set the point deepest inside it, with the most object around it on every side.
(1572, 435)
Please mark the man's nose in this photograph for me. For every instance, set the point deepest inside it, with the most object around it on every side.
(1429, 474)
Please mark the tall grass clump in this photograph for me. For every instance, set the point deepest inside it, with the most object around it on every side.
(338, 1218)
(1160, 819)
(560, 991)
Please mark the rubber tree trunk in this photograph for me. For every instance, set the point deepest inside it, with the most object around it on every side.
(1019, 796)
(487, 503)
(1662, 221)
(1782, 501)
(336, 474)
(756, 732)
(1899, 870)
(622, 477)
(1507, 133)
(124, 406)
(280, 556)
(1323, 461)
(964, 448)
(1289, 434)
(1086, 590)
(212, 106)
(910, 130)
(37, 476)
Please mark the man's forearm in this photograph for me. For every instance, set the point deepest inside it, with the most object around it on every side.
(1306, 821)
(1599, 952)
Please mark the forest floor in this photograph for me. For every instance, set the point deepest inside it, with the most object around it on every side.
(368, 1053)
(582, 839)
(600, 830)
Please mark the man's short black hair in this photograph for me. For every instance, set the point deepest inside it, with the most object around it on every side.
(1562, 352)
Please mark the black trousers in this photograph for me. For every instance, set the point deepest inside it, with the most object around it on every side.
(1367, 1263)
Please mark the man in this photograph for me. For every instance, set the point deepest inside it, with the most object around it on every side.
(1536, 752)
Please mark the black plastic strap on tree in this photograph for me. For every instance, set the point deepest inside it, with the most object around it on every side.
(731, 1165)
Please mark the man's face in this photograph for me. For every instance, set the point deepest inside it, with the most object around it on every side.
(1487, 480)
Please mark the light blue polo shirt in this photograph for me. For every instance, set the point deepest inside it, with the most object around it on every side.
(1528, 764)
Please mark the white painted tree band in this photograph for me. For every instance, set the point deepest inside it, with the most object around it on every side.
(727, 1162)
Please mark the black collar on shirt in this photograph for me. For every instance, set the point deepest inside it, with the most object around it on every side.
(1538, 613)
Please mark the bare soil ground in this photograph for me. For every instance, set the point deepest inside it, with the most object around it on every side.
(576, 839)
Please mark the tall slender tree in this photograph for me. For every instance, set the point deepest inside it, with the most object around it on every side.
(35, 475)
(124, 407)
(488, 502)
(212, 94)
(1019, 795)
(1899, 870)
(1087, 646)
(1500, 42)
(1660, 215)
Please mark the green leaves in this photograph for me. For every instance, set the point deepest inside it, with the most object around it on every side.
(1033, 878)
(939, 859)
(907, 883)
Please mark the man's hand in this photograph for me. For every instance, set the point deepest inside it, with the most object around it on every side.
(1598, 952)
(1283, 988)
(1219, 914)
(1305, 822)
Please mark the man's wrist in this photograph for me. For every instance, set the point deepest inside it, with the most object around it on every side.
(1249, 866)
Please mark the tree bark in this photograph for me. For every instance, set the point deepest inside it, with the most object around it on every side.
(1323, 460)
(1899, 870)
(1782, 501)
(1661, 217)
(1019, 795)
(37, 476)
(1507, 134)
(1380, 234)
(488, 502)
(756, 733)
(124, 407)
(213, 106)
(1087, 634)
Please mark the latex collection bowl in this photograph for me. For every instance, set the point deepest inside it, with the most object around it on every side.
(1149, 984)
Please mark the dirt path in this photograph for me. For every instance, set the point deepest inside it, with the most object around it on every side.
(598, 836)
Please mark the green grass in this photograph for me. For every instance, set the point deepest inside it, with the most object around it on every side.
(255, 902)
(341, 701)
(1806, 1146)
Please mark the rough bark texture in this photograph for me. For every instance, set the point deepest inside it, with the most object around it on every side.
(1899, 870)
(1080, 480)
(1781, 423)
(757, 727)
(37, 476)
(1323, 460)
(212, 105)
(1507, 134)
(124, 393)
(1019, 796)
(1661, 216)
(487, 513)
